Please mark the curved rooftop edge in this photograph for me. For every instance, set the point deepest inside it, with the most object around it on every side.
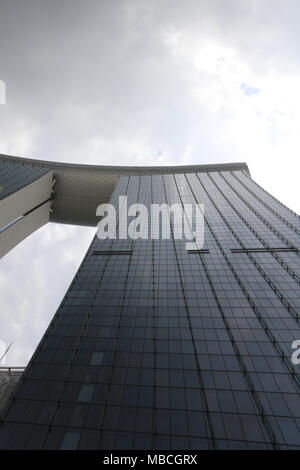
(80, 188)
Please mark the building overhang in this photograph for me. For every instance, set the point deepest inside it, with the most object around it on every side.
(80, 188)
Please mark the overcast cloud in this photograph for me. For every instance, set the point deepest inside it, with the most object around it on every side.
(137, 83)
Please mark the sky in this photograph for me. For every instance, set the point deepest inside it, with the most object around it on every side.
(139, 82)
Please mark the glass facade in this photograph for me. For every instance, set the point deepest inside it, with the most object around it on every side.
(155, 347)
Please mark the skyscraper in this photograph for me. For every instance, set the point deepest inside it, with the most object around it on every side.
(159, 347)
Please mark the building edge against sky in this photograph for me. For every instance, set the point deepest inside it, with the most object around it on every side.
(154, 346)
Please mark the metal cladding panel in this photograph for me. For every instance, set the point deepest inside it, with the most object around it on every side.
(25, 197)
(22, 228)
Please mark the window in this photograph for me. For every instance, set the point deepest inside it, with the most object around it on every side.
(97, 358)
(70, 441)
(86, 392)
